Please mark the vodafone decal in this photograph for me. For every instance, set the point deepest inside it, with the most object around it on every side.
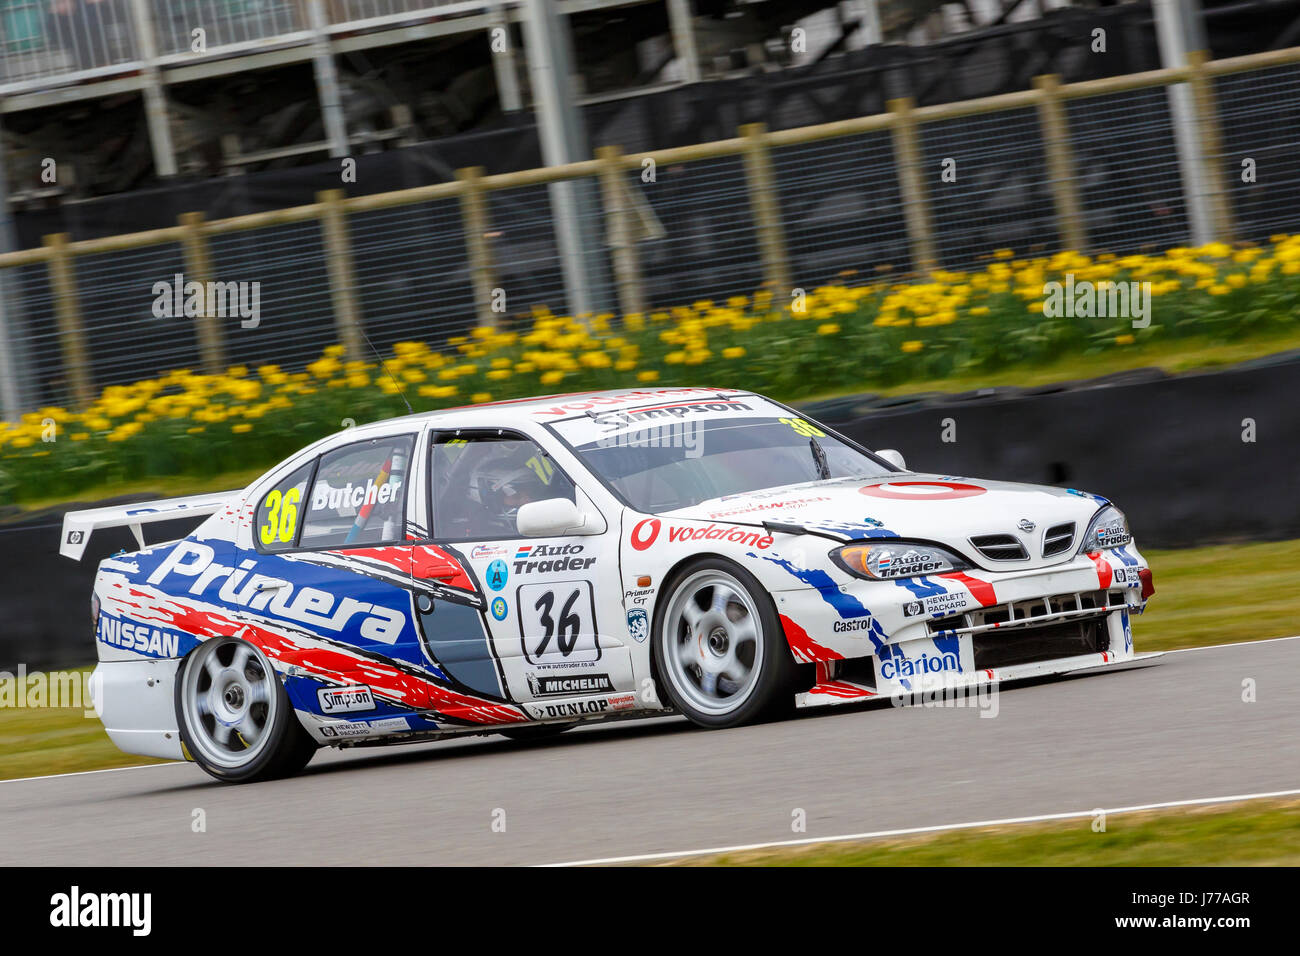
(923, 490)
(646, 532)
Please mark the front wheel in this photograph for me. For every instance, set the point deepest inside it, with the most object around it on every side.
(720, 650)
(234, 715)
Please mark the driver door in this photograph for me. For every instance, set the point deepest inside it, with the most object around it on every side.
(548, 636)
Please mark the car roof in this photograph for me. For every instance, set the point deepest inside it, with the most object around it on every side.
(551, 408)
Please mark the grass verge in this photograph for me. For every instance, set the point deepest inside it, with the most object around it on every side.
(43, 740)
(1249, 833)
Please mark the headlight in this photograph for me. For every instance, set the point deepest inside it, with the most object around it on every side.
(1108, 529)
(885, 560)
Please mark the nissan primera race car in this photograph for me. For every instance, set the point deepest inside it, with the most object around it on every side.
(521, 566)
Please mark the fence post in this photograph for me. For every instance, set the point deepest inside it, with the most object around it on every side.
(916, 205)
(1207, 118)
(1058, 150)
(338, 255)
(765, 208)
(72, 337)
(474, 221)
(618, 231)
(198, 267)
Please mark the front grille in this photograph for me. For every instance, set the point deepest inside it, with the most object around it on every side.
(1083, 605)
(1030, 644)
(999, 547)
(1058, 539)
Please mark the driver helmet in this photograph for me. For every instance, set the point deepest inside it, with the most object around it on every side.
(506, 482)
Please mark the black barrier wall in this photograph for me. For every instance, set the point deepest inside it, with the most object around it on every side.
(1169, 450)
(1192, 459)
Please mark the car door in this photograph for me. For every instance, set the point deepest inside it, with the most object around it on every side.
(544, 631)
(333, 531)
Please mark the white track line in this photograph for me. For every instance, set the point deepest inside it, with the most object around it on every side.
(85, 773)
(1040, 818)
(1179, 650)
(1215, 647)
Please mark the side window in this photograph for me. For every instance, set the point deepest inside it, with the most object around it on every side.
(280, 513)
(479, 483)
(359, 495)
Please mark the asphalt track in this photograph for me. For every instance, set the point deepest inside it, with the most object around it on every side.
(1175, 730)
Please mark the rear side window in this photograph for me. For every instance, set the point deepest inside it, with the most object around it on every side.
(279, 515)
(358, 497)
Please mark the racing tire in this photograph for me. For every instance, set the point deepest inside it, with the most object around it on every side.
(719, 650)
(529, 732)
(235, 718)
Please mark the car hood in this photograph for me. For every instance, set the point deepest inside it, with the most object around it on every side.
(944, 509)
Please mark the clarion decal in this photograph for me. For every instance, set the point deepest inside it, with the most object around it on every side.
(311, 606)
(906, 667)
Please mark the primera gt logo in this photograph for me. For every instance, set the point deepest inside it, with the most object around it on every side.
(261, 592)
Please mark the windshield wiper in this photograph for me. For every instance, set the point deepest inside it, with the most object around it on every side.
(819, 457)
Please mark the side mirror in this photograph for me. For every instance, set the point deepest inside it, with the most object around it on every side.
(892, 456)
(552, 518)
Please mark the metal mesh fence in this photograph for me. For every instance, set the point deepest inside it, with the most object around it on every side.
(837, 214)
(116, 293)
(1126, 169)
(709, 246)
(987, 186)
(430, 295)
(296, 320)
(1259, 116)
(841, 209)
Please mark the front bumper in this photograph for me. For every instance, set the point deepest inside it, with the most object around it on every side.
(891, 636)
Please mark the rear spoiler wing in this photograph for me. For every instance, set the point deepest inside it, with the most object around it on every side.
(79, 525)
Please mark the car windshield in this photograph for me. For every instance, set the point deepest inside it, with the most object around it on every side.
(680, 453)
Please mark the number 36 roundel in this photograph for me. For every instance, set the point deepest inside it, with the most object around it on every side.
(557, 622)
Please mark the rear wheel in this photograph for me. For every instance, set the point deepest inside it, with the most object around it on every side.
(235, 717)
(720, 651)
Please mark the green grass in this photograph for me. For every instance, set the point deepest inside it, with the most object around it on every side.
(39, 741)
(175, 486)
(1254, 833)
(1194, 588)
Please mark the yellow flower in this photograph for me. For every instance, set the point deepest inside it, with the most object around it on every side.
(913, 346)
(647, 375)
(478, 398)
(553, 377)
(734, 352)
(241, 427)
(828, 328)
(1124, 340)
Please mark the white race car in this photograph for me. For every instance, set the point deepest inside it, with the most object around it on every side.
(517, 567)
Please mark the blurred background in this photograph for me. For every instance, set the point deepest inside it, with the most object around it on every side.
(855, 206)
